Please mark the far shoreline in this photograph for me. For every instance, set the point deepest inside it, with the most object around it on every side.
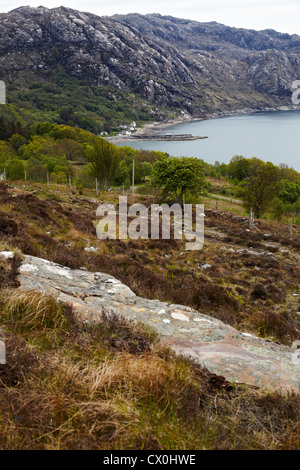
(155, 127)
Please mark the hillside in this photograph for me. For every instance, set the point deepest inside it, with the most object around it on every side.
(142, 67)
(71, 385)
(139, 343)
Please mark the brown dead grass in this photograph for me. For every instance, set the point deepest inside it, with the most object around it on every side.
(66, 386)
(58, 225)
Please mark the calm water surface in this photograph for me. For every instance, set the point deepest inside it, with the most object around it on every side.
(270, 136)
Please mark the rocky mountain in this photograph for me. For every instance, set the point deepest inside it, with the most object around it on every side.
(168, 62)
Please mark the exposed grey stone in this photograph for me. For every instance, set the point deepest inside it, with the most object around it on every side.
(223, 350)
(245, 251)
(7, 254)
(160, 58)
(204, 266)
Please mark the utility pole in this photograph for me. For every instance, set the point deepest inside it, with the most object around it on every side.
(133, 176)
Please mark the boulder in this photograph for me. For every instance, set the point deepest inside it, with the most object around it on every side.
(239, 357)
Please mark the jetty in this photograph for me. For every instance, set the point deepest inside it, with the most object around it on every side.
(166, 137)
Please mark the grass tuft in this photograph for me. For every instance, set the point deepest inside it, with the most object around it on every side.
(115, 386)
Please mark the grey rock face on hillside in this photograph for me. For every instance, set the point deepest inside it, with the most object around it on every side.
(223, 350)
(196, 67)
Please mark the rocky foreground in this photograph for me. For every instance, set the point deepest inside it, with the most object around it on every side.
(239, 357)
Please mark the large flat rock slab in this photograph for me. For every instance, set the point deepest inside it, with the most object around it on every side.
(239, 357)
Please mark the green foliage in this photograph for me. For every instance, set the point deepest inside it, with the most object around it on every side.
(143, 159)
(67, 132)
(277, 208)
(11, 121)
(104, 160)
(260, 186)
(85, 178)
(48, 148)
(145, 189)
(239, 168)
(15, 169)
(289, 191)
(213, 173)
(36, 171)
(6, 152)
(72, 149)
(62, 132)
(38, 145)
(296, 206)
(42, 128)
(16, 141)
(122, 173)
(61, 99)
(177, 176)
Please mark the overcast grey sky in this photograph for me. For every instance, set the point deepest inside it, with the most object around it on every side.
(254, 14)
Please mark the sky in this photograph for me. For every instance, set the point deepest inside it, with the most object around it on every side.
(281, 15)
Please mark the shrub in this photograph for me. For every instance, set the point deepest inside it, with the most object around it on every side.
(15, 169)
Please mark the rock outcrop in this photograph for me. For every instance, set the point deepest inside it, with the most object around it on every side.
(239, 357)
(194, 67)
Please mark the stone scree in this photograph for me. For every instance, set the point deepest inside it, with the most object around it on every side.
(239, 357)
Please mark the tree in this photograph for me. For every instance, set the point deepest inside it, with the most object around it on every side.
(84, 178)
(177, 176)
(17, 141)
(259, 186)
(104, 159)
(36, 171)
(73, 150)
(15, 169)
(239, 167)
(277, 208)
(122, 173)
(37, 146)
(42, 128)
(6, 152)
(289, 191)
(146, 170)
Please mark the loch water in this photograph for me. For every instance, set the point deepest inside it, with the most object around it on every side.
(270, 136)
